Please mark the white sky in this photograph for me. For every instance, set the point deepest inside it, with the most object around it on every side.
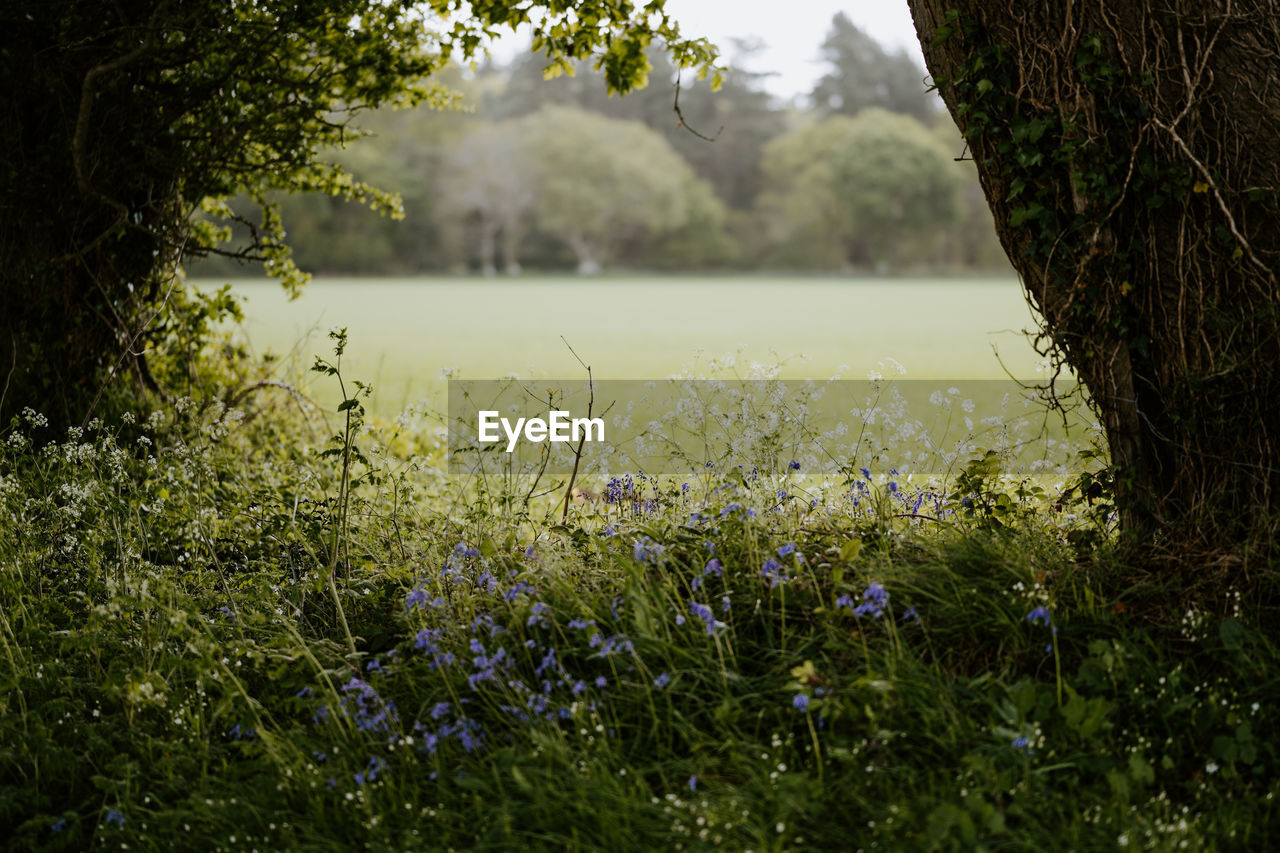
(792, 31)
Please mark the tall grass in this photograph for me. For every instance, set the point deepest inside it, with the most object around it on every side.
(736, 664)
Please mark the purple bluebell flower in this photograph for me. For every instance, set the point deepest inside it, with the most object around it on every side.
(910, 615)
(693, 783)
(787, 549)
(793, 465)
(800, 702)
(662, 681)
(1039, 615)
(417, 598)
(371, 771)
(704, 613)
(520, 587)
(548, 662)
(115, 817)
(772, 572)
(875, 598)
(537, 616)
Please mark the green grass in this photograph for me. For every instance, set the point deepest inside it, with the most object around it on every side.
(404, 331)
(176, 592)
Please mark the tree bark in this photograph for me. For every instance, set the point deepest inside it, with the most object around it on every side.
(1130, 154)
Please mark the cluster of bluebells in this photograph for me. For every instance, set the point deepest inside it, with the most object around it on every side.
(733, 506)
(528, 682)
(465, 566)
(645, 550)
(875, 601)
(620, 489)
(427, 640)
(462, 728)
(362, 703)
(625, 492)
(912, 501)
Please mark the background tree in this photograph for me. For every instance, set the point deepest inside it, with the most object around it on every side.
(125, 119)
(863, 74)
(1131, 155)
(603, 183)
(740, 115)
(487, 184)
(865, 191)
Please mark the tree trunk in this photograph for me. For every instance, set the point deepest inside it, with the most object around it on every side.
(488, 238)
(1130, 154)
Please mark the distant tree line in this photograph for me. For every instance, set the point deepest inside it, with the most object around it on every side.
(555, 174)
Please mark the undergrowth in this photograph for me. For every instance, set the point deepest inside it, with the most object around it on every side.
(217, 634)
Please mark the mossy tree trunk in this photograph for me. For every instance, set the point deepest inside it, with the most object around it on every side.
(1130, 154)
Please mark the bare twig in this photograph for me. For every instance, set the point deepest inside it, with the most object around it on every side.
(685, 124)
(582, 440)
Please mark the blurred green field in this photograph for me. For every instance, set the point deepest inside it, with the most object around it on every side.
(405, 331)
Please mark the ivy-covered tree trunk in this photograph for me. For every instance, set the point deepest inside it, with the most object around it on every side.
(1130, 153)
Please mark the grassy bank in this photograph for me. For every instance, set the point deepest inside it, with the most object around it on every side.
(207, 639)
